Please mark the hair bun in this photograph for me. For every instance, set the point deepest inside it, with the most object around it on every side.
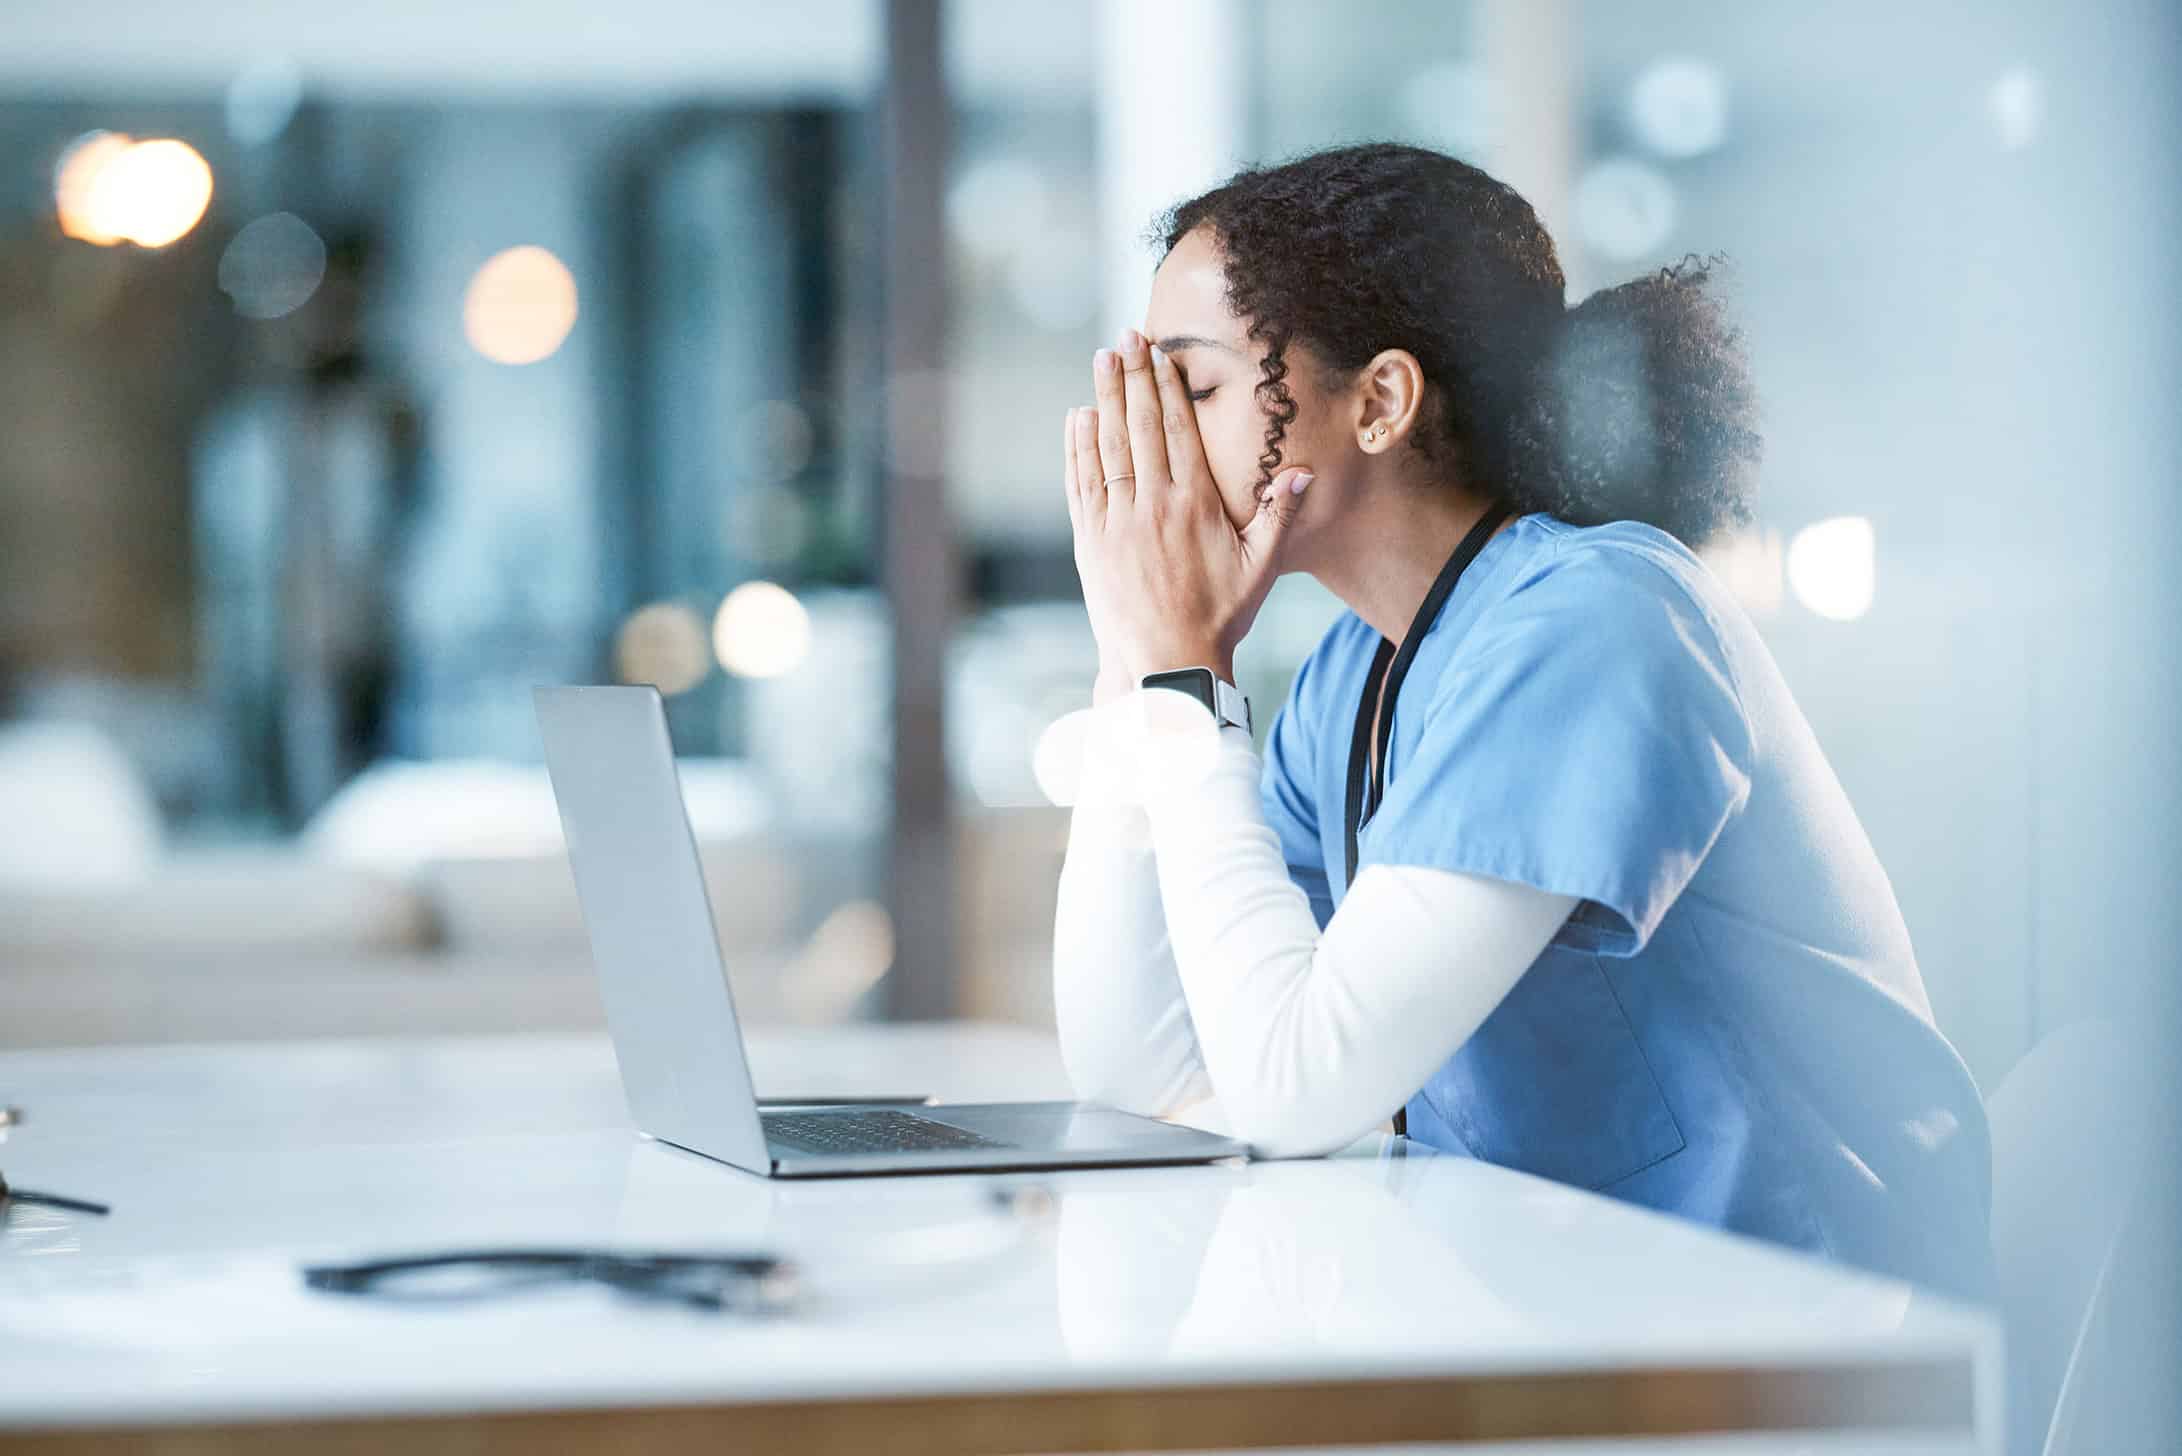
(1643, 409)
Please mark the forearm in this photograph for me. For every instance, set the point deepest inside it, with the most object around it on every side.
(1124, 1025)
(1310, 1039)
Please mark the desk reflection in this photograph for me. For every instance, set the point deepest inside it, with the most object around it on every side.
(1357, 1254)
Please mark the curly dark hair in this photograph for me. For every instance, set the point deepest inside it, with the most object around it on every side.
(1635, 405)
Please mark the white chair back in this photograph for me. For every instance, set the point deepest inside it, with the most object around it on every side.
(78, 813)
(2071, 1125)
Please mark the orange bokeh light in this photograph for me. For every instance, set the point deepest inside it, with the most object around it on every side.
(520, 306)
(110, 189)
(79, 168)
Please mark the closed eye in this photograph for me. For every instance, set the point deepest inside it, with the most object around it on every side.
(1201, 395)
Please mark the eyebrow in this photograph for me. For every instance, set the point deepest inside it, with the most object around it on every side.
(1176, 343)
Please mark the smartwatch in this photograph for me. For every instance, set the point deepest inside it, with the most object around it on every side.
(1222, 699)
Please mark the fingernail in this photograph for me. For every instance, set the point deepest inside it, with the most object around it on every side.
(1103, 361)
(1130, 340)
(1300, 481)
(1159, 357)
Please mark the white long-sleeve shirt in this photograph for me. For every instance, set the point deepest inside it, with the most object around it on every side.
(1191, 979)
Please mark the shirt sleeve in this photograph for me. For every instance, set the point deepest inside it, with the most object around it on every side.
(1119, 1011)
(1285, 793)
(1310, 1038)
(1587, 738)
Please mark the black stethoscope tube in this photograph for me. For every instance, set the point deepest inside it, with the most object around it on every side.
(1382, 688)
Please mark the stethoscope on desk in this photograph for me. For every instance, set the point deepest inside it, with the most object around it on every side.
(13, 1117)
(736, 1283)
(1373, 734)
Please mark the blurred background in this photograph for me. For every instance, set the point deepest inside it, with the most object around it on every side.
(362, 367)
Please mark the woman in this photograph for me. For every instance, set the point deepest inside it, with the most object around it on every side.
(1542, 859)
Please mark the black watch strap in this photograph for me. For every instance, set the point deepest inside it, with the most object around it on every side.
(1222, 699)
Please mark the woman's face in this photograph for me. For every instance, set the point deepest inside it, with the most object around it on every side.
(1188, 316)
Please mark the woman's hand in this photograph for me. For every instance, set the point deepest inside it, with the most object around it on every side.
(1168, 580)
(1114, 678)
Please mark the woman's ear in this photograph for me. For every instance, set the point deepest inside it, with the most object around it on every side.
(1390, 392)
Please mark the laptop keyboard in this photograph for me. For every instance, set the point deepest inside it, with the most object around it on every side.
(877, 1131)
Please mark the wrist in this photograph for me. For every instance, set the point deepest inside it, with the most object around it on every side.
(1219, 696)
(1219, 659)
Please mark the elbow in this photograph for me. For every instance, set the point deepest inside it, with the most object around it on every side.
(1274, 1131)
(1277, 1146)
(1283, 1097)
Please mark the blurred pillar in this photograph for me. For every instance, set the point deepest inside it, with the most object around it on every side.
(1529, 52)
(1173, 116)
(917, 557)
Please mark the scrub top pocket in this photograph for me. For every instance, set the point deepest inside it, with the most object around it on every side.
(1554, 1082)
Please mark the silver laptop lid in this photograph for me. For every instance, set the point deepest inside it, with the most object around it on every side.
(642, 889)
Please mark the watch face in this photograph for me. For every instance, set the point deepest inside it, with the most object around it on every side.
(1196, 681)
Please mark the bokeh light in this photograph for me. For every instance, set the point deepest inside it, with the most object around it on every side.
(1832, 567)
(991, 751)
(1056, 762)
(272, 267)
(1624, 209)
(1678, 107)
(767, 523)
(109, 188)
(79, 167)
(520, 306)
(761, 630)
(997, 206)
(151, 193)
(2016, 103)
(773, 440)
(664, 645)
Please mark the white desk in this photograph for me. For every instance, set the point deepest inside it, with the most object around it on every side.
(1372, 1297)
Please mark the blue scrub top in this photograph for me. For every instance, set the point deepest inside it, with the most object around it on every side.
(1730, 1026)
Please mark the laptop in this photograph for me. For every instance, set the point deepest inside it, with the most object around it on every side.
(672, 1016)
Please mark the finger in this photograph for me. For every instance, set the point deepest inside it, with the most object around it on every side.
(1090, 483)
(1113, 429)
(1140, 399)
(1262, 537)
(1070, 486)
(1186, 464)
